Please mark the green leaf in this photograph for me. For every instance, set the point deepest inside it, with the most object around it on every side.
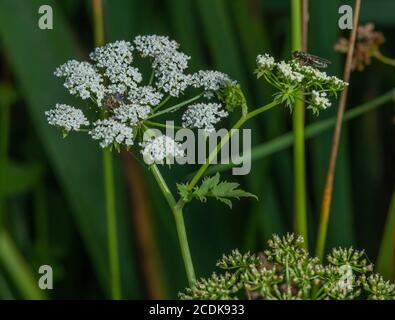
(225, 190)
(33, 55)
(386, 258)
(185, 193)
(17, 178)
(208, 184)
(222, 191)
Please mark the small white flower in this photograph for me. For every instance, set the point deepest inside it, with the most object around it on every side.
(132, 113)
(211, 80)
(153, 45)
(203, 116)
(319, 101)
(168, 63)
(82, 79)
(346, 281)
(110, 131)
(289, 73)
(266, 61)
(66, 117)
(146, 95)
(116, 59)
(162, 149)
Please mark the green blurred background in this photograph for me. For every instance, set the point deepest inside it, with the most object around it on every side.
(51, 190)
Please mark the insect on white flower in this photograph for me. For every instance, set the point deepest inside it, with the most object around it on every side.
(203, 116)
(66, 117)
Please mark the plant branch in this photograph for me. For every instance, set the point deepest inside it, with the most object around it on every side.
(298, 129)
(175, 107)
(223, 141)
(180, 224)
(328, 189)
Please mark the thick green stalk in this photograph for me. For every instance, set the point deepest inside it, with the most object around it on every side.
(298, 129)
(180, 225)
(108, 172)
(386, 258)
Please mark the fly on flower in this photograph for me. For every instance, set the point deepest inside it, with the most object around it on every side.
(310, 59)
(114, 101)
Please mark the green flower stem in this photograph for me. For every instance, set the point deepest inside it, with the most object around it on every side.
(224, 140)
(180, 225)
(379, 56)
(112, 239)
(298, 128)
(160, 105)
(177, 106)
(161, 125)
(108, 171)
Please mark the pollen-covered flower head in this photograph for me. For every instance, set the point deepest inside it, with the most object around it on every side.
(161, 150)
(66, 117)
(203, 116)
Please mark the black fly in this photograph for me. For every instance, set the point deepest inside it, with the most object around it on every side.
(310, 59)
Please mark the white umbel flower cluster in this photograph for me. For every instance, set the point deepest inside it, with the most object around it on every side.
(131, 114)
(266, 61)
(346, 280)
(211, 80)
(319, 101)
(114, 84)
(289, 73)
(168, 63)
(110, 131)
(116, 60)
(203, 116)
(66, 117)
(82, 79)
(160, 150)
(146, 95)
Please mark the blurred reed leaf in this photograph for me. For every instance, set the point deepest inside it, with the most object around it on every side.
(17, 178)
(385, 264)
(18, 270)
(33, 55)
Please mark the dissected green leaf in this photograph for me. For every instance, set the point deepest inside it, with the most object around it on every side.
(214, 188)
(184, 192)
